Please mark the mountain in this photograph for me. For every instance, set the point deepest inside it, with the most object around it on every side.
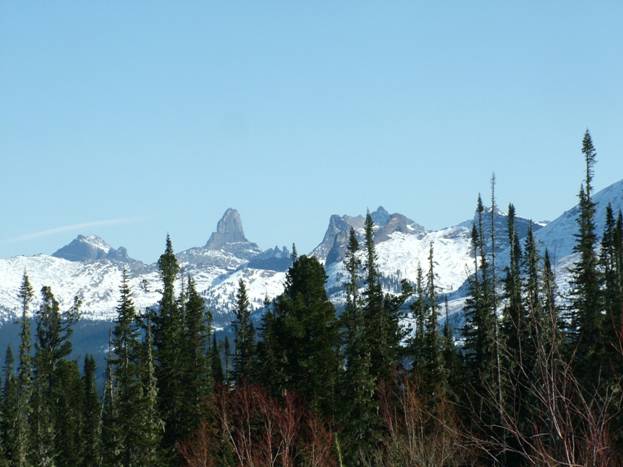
(333, 245)
(90, 268)
(227, 248)
(92, 248)
(559, 235)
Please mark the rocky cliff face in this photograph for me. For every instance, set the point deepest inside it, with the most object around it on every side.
(228, 230)
(92, 248)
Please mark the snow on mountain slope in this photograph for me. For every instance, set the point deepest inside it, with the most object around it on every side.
(260, 283)
(559, 235)
(90, 268)
(97, 283)
(401, 254)
(86, 269)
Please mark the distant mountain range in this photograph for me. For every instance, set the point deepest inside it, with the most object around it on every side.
(89, 267)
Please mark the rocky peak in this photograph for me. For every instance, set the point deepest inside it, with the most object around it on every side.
(91, 248)
(228, 230)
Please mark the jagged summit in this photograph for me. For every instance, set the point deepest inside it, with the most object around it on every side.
(91, 248)
(226, 248)
(333, 245)
(228, 230)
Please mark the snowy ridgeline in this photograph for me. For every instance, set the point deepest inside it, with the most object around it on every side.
(91, 269)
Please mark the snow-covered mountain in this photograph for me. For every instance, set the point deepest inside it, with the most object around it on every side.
(91, 268)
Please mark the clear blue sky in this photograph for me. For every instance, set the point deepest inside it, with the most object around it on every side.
(154, 117)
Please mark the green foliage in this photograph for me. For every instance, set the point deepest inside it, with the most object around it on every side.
(244, 337)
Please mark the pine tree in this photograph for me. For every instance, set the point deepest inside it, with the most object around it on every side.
(551, 333)
(90, 416)
(612, 293)
(586, 303)
(306, 335)
(24, 379)
(52, 345)
(435, 381)
(168, 336)
(514, 324)
(245, 337)
(479, 349)
(198, 382)
(383, 333)
(68, 416)
(419, 311)
(8, 420)
(215, 363)
(152, 424)
(126, 374)
(449, 355)
(226, 357)
(111, 445)
(359, 411)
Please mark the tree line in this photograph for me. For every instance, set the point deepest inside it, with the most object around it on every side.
(533, 376)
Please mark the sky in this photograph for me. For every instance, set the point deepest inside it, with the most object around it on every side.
(132, 120)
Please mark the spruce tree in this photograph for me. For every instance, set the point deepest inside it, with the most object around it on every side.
(68, 414)
(244, 337)
(152, 426)
(514, 323)
(383, 333)
(8, 412)
(198, 383)
(449, 355)
(126, 374)
(110, 439)
(418, 341)
(52, 345)
(306, 336)
(435, 381)
(168, 335)
(479, 349)
(90, 416)
(24, 379)
(215, 362)
(586, 303)
(359, 409)
(612, 293)
(226, 358)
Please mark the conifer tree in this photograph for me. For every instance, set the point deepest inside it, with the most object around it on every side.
(91, 416)
(553, 327)
(198, 382)
(419, 311)
(111, 445)
(435, 382)
(52, 345)
(168, 335)
(152, 426)
(383, 331)
(244, 337)
(514, 324)
(68, 413)
(586, 303)
(24, 379)
(449, 355)
(479, 349)
(359, 411)
(612, 293)
(306, 335)
(215, 362)
(8, 412)
(226, 357)
(126, 374)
